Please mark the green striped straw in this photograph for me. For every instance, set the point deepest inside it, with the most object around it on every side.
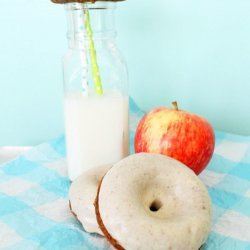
(93, 58)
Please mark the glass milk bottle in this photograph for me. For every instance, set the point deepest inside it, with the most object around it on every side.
(96, 90)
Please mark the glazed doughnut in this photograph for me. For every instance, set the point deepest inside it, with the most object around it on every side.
(82, 195)
(150, 201)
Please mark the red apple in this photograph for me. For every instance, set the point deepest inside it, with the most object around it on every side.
(186, 137)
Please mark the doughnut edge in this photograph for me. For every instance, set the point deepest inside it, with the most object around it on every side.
(71, 210)
(104, 230)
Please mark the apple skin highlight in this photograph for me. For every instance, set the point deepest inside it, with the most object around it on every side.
(181, 135)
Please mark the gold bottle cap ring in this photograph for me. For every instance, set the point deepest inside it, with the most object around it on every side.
(83, 1)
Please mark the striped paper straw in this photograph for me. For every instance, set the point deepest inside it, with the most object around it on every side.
(83, 57)
(93, 58)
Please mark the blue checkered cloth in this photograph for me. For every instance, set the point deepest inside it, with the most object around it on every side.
(34, 212)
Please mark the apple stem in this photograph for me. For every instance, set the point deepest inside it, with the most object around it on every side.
(175, 105)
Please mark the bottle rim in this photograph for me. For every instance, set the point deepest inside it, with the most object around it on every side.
(83, 1)
(90, 6)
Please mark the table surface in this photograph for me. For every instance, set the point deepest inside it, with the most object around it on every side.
(11, 152)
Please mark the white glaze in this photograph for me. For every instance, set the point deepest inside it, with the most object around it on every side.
(130, 187)
(82, 195)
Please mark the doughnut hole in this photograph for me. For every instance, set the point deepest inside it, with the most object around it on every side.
(158, 200)
(155, 206)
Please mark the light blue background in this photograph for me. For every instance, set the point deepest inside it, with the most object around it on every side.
(196, 52)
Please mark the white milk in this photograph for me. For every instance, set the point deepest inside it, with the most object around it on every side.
(96, 131)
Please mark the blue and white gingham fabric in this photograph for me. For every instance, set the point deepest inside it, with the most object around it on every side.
(34, 212)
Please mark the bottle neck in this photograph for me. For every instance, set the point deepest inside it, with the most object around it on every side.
(85, 19)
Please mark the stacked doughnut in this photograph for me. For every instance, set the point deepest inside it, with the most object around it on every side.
(145, 201)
